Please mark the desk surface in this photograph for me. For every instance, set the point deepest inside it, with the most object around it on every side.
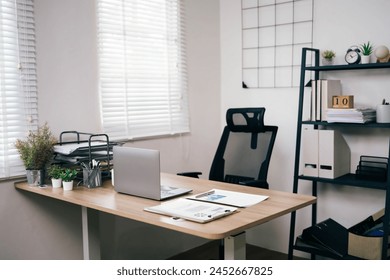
(107, 200)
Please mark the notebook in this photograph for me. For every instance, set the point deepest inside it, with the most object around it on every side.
(137, 172)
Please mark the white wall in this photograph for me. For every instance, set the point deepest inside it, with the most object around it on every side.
(337, 26)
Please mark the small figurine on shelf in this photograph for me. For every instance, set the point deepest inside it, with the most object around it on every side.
(382, 54)
(327, 57)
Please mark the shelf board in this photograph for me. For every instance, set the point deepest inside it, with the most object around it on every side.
(349, 180)
(348, 67)
(372, 124)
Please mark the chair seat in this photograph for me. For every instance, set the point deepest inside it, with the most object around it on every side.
(234, 179)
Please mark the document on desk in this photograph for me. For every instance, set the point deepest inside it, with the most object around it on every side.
(68, 149)
(197, 211)
(237, 199)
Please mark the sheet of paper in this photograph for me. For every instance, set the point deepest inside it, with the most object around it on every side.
(237, 199)
(197, 211)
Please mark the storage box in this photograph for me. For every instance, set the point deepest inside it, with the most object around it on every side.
(325, 153)
(366, 247)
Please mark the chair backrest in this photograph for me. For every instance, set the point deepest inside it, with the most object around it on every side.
(244, 151)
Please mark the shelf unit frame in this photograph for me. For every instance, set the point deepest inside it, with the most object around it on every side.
(349, 179)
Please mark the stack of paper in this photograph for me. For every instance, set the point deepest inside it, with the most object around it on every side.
(355, 115)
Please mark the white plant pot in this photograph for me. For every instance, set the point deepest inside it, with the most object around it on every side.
(68, 186)
(365, 59)
(56, 183)
(326, 61)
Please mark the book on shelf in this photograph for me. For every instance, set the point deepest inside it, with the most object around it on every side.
(354, 115)
(321, 97)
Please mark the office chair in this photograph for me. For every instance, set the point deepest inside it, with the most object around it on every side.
(244, 151)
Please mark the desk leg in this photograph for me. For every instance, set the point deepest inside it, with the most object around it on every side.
(90, 230)
(235, 247)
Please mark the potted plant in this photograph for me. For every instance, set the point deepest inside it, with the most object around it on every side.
(366, 49)
(327, 57)
(36, 151)
(55, 175)
(67, 176)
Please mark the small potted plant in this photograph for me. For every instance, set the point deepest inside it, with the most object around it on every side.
(36, 151)
(366, 49)
(327, 57)
(55, 175)
(67, 176)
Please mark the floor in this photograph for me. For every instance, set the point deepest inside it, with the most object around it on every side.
(209, 251)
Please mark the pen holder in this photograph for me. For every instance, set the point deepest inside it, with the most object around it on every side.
(383, 113)
(92, 178)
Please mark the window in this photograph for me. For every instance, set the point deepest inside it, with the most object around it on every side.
(142, 70)
(18, 81)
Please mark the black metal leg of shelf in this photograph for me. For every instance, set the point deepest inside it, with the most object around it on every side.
(386, 220)
(314, 206)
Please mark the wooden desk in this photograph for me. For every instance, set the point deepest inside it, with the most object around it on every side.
(231, 228)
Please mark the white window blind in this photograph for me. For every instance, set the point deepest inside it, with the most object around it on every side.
(142, 69)
(18, 81)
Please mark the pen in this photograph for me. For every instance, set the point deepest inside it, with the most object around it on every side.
(205, 194)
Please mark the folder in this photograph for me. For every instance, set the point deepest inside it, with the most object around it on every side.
(318, 100)
(325, 153)
(196, 211)
(313, 105)
(328, 89)
(322, 92)
(334, 154)
(310, 152)
(328, 234)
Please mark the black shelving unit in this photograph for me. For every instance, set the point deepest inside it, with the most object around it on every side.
(348, 179)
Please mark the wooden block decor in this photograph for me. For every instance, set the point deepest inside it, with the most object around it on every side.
(342, 101)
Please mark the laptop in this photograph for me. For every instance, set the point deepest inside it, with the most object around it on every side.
(137, 172)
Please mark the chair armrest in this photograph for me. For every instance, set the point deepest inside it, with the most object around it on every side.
(190, 174)
(255, 183)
